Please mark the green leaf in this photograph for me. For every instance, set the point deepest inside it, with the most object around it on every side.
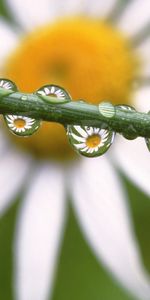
(5, 11)
(7, 225)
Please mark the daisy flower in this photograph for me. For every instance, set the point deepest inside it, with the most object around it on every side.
(90, 141)
(97, 51)
(20, 124)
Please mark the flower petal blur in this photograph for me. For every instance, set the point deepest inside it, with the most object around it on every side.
(39, 231)
(106, 223)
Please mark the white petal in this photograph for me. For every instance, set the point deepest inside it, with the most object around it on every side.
(142, 99)
(135, 17)
(81, 131)
(8, 38)
(38, 234)
(78, 138)
(144, 54)
(133, 158)
(80, 146)
(101, 208)
(33, 13)
(67, 7)
(83, 7)
(14, 169)
(3, 143)
(98, 9)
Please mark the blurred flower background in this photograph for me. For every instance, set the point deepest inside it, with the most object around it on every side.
(95, 246)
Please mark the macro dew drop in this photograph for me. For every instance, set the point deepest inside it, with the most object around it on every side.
(133, 134)
(21, 125)
(56, 92)
(8, 85)
(125, 107)
(18, 125)
(90, 141)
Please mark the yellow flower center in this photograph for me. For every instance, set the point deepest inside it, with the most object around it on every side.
(89, 58)
(19, 123)
(93, 141)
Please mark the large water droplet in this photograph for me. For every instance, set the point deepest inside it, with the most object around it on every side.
(21, 126)
(58, 93)
(90, 141)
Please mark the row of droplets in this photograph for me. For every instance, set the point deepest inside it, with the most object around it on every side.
(87, 141)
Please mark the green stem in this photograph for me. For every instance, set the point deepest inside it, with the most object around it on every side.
(128, 123)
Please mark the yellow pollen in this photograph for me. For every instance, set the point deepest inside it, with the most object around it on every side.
(89, 58)
(19, 123)
(93, 141)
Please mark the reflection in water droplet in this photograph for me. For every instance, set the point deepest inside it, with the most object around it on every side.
(90, 141)
(54, 91)
(8, 85)
(20, 125)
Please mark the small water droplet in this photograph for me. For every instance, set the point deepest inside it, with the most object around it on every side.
(21, 126)
(132, 135)
(8, 85)
(125, 107)
(90, 141)
(24, 97)
(106, 109)
(54, 91)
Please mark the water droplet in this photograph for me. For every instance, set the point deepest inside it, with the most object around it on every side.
(106, 109)
(90, 141)
(24, 97)
(132, 134)
(21, 126)
(8, 85)
(125, 107)
(58, 93)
